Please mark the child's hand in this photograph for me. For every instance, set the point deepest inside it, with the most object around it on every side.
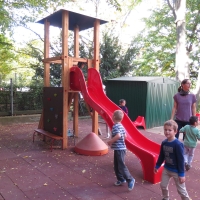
(155, 170)
(109, 143)
(181, 179)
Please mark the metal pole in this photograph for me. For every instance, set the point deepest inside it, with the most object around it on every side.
(11, 97)
(15, 78)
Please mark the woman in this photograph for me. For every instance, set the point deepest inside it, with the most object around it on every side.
(184, 105)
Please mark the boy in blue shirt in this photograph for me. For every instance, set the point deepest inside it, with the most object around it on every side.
(192, 134)
(171, 153)
(117, 143)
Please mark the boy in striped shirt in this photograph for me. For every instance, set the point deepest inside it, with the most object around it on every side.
(117, 143)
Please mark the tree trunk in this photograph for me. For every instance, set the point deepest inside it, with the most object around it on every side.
(181, 60)
(181, 66)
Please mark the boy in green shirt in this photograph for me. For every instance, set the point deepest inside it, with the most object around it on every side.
(192, 134)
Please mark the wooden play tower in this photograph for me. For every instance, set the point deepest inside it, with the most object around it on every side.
(69, 21)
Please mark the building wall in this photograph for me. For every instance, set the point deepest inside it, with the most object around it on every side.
(153, 99)
(133, 92)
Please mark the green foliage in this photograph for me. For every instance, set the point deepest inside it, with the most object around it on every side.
(116, 60)
(13, 13)
(4, 17)
(127, 60)
(109, 55)
(158, 45)
(31, 100)
(6, 56)
(158, 42)
(115, 4)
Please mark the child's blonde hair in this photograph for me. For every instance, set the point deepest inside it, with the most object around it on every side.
(118, 115)
(172, 123)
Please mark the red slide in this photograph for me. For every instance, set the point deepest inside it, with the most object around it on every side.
(146, 150)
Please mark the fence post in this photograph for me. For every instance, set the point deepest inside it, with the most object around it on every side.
(11, 97)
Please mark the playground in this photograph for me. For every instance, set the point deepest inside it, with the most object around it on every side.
(43, 161)
(31, 171)
(53, 122)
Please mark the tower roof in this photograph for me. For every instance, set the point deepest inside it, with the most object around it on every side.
(75, 19)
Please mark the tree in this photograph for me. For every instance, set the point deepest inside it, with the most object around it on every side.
(157, 42)
(19, 14)
(178, 8)
(6, 56)
(109, 55)
(156, 45)
(116, 60)
(14, 13)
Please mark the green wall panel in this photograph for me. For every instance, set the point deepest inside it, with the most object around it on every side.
(151, 97)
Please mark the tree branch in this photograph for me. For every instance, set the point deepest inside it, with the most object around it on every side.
(192, 35)
(172, 8)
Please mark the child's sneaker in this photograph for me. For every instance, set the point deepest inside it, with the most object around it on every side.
(187, 167)
(118, 183)
(131, 184)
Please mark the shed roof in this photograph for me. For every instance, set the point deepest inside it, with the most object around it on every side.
(75, 19)
(142, 78)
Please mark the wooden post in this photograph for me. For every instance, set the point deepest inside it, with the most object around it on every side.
(96, 66)
(96, 44)
(75, 120)
(46, 54)
(89, 63)
(76, 95)
(76, 42)
(65, 75)
(46, 66)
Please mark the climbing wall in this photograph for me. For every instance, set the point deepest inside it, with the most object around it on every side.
(53, 109)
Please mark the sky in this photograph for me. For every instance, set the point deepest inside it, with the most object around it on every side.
(134, 23)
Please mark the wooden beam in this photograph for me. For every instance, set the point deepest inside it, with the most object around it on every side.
(46, 80)
(46, 54)
(73, 91)
(76, 108)
(65, 75)
(76, 42)
(58, 59)
(70, 98)
(80, 60)
(96, 44)
(53, 59)
(89, 63)
(41, 122)
(76, 95)
(88, 109)
(96, 66)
